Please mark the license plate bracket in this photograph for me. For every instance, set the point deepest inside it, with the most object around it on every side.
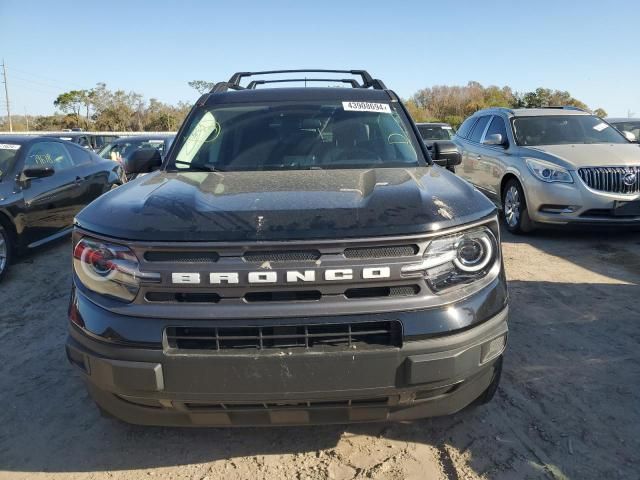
(627, 209)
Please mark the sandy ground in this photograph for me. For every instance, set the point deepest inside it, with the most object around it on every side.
(568, 406)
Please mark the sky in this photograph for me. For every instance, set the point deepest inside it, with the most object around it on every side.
(589, 48)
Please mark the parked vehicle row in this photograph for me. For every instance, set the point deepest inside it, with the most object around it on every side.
(555, 166)
(44, 183)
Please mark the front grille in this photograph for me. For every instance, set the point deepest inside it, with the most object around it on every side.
(180, 256)
(625, 180)
(382, 252)
(311, 404)
(374, 292)
(341, 336)
(183, 297)
(284, 256)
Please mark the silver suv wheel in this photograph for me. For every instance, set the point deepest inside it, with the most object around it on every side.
(512, 206)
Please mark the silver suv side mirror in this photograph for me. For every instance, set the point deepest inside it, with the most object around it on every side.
(493, 139)
(630, 136)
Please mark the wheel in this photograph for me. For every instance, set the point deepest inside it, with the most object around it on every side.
(514, 208)
(5, 250)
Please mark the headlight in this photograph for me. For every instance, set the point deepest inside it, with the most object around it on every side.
(548, 172)
(109, 269)
(457, 259)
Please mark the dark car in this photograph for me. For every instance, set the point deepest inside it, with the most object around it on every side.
(91, 141)
(121, 149)
(44, 183)
(296, 259)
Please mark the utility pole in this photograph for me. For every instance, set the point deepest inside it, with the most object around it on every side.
(6, 94)
(26, 117)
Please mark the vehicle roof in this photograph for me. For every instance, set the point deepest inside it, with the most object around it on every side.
(621, 119)
(143, 138)
(534, 112)
(19, 139)
(298, 94)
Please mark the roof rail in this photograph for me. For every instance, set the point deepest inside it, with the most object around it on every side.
(224, 86)
(566, 107)
(354, 83)
(367, 80)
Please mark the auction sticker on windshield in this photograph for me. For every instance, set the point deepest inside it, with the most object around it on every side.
(9, 146)
(366, 107)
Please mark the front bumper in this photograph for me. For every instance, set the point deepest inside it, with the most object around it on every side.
(574, 203)
(153, 386)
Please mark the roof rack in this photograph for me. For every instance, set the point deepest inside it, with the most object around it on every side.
(236, 78)
(354, 83)
(566, 107)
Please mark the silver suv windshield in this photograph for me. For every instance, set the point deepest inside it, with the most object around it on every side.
(295, 136)
(564, 129)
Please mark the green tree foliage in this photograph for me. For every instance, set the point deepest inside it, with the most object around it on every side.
(118, 110)
(452, 104)
(202, 86)
(600, 112)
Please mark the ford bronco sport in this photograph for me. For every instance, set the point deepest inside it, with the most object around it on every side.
(296, 258)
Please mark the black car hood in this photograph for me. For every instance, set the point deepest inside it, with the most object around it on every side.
(291, 205)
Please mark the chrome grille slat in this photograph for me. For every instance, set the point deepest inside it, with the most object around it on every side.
(611, 179)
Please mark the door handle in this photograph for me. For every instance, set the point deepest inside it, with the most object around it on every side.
(478, 157)
(78, 180)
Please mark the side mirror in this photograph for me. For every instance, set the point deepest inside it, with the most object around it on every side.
(36, 172)
(143, 160)
(446, 154)
(493, 139)
(630, 136)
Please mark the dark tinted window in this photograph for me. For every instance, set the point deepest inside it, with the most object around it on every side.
(48, 154)
(435, 132)
(497, 126)
(478, 130)
(465, 128)
(80, 156)
(8, 154)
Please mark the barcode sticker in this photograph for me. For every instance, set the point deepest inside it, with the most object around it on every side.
(9, 146)
(600, 127)
(366, 107)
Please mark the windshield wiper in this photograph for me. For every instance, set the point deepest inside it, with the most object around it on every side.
(199, 168)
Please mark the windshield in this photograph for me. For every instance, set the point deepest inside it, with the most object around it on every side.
(435, 132)
(294, 136)
(632, 126)
(564, 129)
(116, 151)
(8, 154)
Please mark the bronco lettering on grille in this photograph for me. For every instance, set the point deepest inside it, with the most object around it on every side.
(290, 276)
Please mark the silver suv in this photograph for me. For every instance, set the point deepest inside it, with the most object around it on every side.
(551, 166)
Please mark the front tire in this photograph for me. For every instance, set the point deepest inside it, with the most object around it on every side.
(514, 208)
(6, 247)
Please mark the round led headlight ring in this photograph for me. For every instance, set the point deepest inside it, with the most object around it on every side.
(474, 252)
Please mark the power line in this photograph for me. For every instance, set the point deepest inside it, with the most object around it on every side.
(60, 83)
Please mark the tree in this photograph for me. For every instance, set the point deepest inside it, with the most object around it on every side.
(71, 102)
(600, 112)
(545, 97)
(202, 86)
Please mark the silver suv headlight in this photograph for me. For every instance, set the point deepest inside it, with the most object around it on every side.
(457, 259)
(548, 172)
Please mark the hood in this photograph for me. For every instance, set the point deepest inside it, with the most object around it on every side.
(574, 156)
(292, 205)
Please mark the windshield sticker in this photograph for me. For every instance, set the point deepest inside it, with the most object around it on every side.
(366, 107)
(600, 127)
(9, 146)
(447, 128)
